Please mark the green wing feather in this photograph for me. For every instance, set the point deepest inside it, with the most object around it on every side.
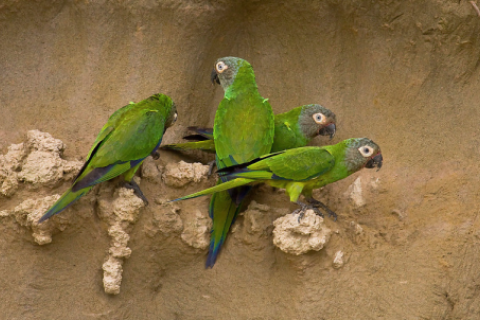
(128, 137)
(134, 138)
(206, 145)
(218, 188)
(299, 164)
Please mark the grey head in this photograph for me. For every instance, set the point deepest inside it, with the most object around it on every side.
(362, 153)
(317, 120)
(226, 69)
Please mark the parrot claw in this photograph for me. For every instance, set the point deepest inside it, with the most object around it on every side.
(301, 211)
(211, 165)
(136, 189)
(318, 212)
(315, 204)
(155, 155)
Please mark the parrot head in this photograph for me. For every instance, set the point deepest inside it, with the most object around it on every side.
(317, 120)
(226, 69)
(362, 153)
(169, 108)
(172, 116)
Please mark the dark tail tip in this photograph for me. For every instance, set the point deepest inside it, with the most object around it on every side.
(212, 255)
(211, 259)
(44, 217)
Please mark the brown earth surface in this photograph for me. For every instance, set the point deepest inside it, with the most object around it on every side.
(403, 73)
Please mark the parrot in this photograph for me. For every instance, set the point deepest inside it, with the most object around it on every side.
(293, 129)
(301, 170)
(243, 130)
(129, 136)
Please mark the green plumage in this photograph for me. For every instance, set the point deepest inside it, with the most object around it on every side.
(129, 136)
(288, 133)
(293, 129)
(301, 170)
(206, 145)
(252, 133)
(243, 130)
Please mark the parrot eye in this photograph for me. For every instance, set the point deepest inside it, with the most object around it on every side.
(221, 66)
(175, 116)
(319, 118)
(366, 151)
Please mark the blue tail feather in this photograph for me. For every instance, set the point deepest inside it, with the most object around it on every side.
(214, 248)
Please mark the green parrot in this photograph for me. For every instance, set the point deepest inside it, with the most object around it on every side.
(293, 129)
(243, 130)
(129, 136)
(301, 170)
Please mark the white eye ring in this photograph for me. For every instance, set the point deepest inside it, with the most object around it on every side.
(366, 151)
(319, 118)
(221, 66)
(175, 116)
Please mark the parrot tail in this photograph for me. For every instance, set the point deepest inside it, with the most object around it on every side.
(218, 188)
(205, 145)
(230, 171)
(67, 199)
(206, 133)
(223, 212)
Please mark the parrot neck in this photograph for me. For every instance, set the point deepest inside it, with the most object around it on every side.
(235, 90)
(244, 81)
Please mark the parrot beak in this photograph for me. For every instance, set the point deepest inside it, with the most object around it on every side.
(376, 161)
(328, 130)
(214, 77)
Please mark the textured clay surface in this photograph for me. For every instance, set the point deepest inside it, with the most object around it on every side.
(404, 73)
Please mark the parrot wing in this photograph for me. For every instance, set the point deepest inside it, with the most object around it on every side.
(206, 133)
(205, 145)
(133, 138)
(219, 187)
(299, 164)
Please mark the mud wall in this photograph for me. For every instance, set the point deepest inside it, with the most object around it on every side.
(403, 73)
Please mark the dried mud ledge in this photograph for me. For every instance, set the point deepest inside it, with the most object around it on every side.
(404, 73)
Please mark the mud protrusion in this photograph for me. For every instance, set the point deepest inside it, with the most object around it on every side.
(37, 161)
(165, 218)
(29, 212)
(121, 213)
(196, 230)
(257, 224)
(150, 170)
(296, 237)
(180, 174)
(355, 193)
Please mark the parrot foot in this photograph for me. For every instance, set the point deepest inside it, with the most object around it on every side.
(301, 211)
(155, 155)
(317, 212)
(315, 204)
(211, 165)
(136, 189)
